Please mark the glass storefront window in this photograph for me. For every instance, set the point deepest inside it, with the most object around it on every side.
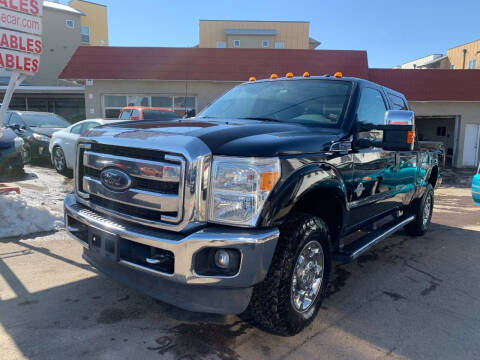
(115, 101)
(138, 100)
(112, 113)
(182, 102)
(162, 101)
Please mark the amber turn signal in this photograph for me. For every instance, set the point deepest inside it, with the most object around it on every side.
(252, 79)
(338, 74)
(268, 180)
(273, 76)
(411, 137)
(289, 75)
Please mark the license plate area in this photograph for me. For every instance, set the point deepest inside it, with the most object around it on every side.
(104, 243)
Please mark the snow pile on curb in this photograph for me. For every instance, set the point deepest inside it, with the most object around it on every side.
(17, 218)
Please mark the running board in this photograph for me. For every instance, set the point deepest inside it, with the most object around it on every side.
(358, 247)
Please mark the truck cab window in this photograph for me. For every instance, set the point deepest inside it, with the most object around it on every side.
(371, 110)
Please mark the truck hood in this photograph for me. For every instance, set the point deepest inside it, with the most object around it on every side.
(229, 136)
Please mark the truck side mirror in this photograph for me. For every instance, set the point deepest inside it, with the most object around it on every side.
(398, 131)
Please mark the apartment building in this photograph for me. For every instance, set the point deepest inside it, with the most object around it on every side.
(256, 34)
(465, 56)
(65, 28)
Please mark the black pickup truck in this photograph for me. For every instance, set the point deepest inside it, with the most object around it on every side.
(243, 209)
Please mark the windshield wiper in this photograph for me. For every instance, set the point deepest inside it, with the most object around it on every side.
(261, 118)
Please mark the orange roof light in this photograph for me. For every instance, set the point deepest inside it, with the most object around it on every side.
(338, 74)
(306, 74)
(289, 75)
(273, 76)
(252, 79)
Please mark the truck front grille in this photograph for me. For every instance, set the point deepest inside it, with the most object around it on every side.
(155, 195)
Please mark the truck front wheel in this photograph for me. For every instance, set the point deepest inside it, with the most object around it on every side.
(291, 295)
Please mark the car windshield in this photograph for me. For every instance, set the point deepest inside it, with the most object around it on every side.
(311, 102)
(45, 120)
(159, 115)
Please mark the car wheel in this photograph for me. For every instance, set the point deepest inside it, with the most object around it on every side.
(290, 296)
(423, 212)
(59, 162)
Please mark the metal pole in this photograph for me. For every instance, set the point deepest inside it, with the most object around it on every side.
(15, 80)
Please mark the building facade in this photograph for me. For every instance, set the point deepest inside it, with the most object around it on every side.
(94, 23)
(256, 34)
(465, 56)
(62, 35)
(446, 102)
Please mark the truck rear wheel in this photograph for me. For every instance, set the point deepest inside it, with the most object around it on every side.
(423, 214)
(291, 295)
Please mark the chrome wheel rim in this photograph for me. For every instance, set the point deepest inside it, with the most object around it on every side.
(427, 209)
(59, 159)
(307, 276)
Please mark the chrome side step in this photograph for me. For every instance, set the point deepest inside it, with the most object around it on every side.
(358, 247)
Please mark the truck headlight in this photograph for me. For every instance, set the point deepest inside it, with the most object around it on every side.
(240, 187)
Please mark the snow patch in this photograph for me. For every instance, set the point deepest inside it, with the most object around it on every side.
(17, 218)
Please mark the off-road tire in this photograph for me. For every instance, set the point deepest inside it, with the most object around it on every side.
(271, 307)
(417, 227)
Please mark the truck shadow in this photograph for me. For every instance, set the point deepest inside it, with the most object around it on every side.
(401, 282)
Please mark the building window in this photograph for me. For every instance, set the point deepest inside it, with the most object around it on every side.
(180, 104)
(441, 131)
(70, 24)
(86, 34)
(265, 43)
(452, 67)
(472, 64)
(236, 43)
(221, 44)
(279, 45)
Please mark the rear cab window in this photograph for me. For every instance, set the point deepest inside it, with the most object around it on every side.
(397, 102)
(159, 115)
(125, 114)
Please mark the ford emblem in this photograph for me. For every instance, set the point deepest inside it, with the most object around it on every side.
(115, 179)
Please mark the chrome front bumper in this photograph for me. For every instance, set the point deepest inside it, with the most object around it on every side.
(256, 247)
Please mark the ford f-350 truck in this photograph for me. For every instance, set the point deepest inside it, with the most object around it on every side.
(243, 209)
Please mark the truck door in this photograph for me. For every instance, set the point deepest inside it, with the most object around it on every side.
(373, 191)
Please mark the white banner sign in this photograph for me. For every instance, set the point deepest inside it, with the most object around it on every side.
(21, 22)
(32, 7)
(19, 41)
(19, 61)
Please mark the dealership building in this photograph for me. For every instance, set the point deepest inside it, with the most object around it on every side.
(446, 102)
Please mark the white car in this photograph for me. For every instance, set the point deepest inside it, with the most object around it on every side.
(63, 143)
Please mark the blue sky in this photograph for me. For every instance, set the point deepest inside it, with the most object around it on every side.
(391, 31)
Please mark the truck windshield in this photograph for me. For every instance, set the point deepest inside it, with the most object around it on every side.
(310, 102)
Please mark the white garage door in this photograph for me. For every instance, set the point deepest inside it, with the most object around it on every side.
(470, 145)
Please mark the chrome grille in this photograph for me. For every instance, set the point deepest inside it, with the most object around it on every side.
(156, 195)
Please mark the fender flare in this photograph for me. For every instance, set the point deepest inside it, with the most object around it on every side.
(298, 185)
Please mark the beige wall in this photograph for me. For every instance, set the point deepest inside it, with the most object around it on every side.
(59, 44)
(251, 41)
(205, 91)
(294, 35)
(96, 19)
(456, 54)
(466, 113)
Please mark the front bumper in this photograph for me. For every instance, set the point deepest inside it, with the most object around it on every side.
(183, 287)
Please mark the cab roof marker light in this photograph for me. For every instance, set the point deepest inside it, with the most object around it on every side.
(338, 75)
(306, 74)
(289, 75)
(252, 79)
(273, 76)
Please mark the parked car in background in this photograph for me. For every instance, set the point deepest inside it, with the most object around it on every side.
(147, 113)
(62, 143)
(36, 129)
(11, 152)
(476, 187)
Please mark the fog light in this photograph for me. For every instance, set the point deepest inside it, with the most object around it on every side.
(222, 259)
